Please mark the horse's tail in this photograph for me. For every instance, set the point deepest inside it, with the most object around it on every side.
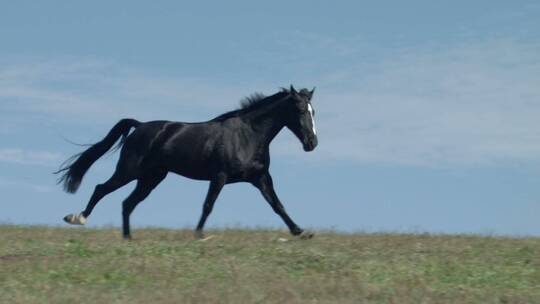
(76, 166)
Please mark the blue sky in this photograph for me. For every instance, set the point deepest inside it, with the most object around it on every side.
(427, 111)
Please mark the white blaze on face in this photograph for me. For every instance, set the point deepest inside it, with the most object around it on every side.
(310, 109)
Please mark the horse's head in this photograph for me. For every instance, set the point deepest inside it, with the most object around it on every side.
(301, 119)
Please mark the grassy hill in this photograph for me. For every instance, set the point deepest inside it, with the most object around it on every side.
(55, 265)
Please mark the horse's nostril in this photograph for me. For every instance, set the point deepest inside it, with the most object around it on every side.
(310, 145)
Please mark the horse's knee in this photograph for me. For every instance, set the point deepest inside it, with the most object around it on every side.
(105, 188)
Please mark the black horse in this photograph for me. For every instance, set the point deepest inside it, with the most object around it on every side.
(233, 147)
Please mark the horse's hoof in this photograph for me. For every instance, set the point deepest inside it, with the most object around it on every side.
(75, 219)
(198, 234)
(206, 238)
(306, 235)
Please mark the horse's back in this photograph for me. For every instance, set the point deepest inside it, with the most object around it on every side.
(183, 148)
(190, 149)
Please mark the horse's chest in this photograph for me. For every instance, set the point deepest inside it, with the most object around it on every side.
(241, 154)
(244, 165)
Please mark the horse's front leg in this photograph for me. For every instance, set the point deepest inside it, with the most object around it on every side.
(266, 186)
(216, 184)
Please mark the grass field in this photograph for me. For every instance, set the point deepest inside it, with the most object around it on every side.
(54, 265)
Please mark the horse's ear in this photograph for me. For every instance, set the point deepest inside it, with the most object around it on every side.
(293, 91)
(311, 93)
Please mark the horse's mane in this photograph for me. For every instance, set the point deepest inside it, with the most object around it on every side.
(252, 102)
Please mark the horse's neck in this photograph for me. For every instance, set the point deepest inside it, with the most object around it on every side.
(267, 123)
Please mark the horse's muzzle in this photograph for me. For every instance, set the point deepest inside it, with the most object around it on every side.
(310, 144)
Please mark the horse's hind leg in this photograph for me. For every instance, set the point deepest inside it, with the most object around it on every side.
(144, 186)
(116, 181)
(126, 171)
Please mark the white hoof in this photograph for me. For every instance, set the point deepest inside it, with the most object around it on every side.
(75, 219)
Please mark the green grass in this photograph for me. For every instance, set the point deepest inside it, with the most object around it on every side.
(55, 265)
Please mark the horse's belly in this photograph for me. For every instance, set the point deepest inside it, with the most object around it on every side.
(190, 168)
(198, 175)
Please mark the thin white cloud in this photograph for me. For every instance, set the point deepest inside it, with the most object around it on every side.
(96, 92)
(472, 104)
(476, 103)
(29, 157)
(5, 182)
